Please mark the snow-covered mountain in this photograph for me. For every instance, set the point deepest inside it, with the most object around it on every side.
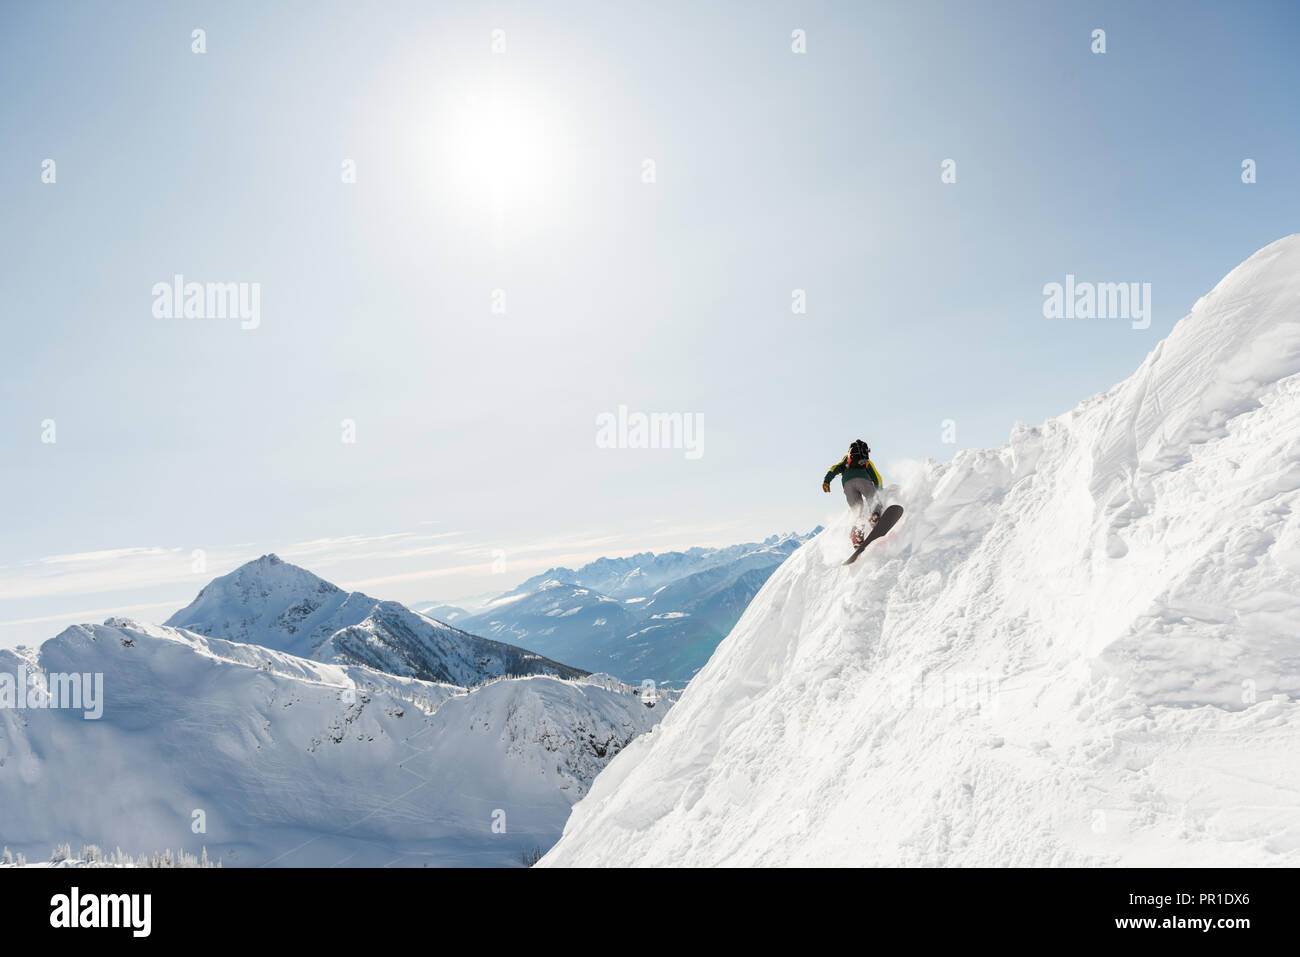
(1080, 648)
(641, 574)
(278, 605)
(289, 761)
(646, 616)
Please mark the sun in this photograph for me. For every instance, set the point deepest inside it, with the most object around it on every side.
(501, 151)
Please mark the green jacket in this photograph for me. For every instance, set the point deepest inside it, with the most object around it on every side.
(846, 471)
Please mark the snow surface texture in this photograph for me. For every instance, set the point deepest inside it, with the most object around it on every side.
(272, 603)
(1080, 649)
(297, 762)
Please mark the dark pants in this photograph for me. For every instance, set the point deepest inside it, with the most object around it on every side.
(861, 491)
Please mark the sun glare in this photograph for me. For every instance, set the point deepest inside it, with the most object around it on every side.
(501, 151)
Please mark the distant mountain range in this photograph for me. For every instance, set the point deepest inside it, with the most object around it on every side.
(305, 724)
(300, 724)
(647, 616)
(272, 603)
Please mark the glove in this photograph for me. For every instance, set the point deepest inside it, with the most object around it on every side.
(826, 486)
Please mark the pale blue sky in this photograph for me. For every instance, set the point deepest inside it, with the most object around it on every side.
(476, 431)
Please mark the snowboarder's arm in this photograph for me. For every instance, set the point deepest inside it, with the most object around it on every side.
(835, 470)
(875, 474)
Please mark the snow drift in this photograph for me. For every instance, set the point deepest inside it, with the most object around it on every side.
(1081, 648)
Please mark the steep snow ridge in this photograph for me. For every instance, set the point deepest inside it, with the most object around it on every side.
(272, 603)
(429, 694)
(296, 762)
(1078, 649)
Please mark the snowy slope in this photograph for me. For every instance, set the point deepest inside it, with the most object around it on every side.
(1081, 648)
(278, 605)
(296, 762)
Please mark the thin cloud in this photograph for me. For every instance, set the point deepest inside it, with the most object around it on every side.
(93, 614)
(104, 555)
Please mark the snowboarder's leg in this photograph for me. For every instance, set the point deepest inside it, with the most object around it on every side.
(857, 491)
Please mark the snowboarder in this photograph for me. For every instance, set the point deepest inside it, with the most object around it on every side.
(861, 484)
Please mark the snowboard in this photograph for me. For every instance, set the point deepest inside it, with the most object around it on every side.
(888, 519)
